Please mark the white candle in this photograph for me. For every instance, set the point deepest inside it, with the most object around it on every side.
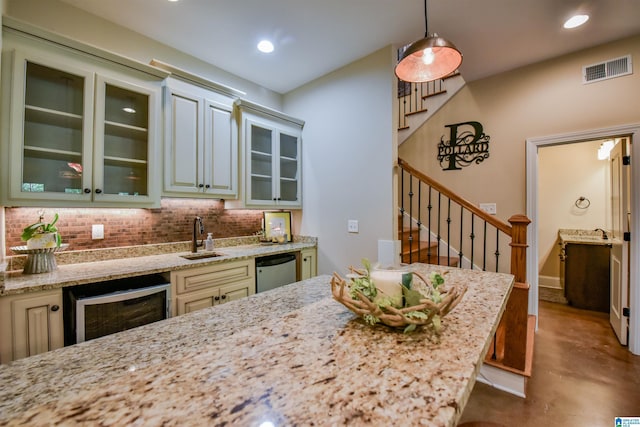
(389, 285)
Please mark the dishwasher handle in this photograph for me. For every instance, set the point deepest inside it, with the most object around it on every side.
(272, 260)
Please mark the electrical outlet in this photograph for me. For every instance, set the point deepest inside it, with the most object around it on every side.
(97, 231)
(489, 208)
(352, 226)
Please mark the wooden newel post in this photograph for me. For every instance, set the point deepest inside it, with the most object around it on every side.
(513, 327)
(519, 224)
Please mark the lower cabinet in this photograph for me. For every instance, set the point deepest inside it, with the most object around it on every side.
(30, 324)
(202, 287)
(308, 263)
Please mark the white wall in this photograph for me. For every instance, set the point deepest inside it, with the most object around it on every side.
(2, 233)
(565, 173)
(348, 156)
(71, 22)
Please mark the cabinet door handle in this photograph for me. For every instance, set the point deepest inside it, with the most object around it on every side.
(98, 191)
(55, 307)
(87, 190)
(223, 297)
(216, 298)
(200, 185)
(305, 259)
(207, 186)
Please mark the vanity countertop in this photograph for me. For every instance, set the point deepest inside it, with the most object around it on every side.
(587, 237)
(291, 356)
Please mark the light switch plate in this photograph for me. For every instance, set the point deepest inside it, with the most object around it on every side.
(97, 231)
(489, 208)
(352, 226)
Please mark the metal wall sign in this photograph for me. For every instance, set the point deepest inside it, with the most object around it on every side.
(464, 146)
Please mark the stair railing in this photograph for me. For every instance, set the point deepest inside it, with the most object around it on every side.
(430, 211)
(412, 98)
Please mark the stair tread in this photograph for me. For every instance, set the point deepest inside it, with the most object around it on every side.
(417, 244)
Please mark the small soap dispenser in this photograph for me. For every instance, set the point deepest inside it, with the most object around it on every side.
(208, 244)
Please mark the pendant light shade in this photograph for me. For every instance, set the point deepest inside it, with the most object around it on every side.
(427, 59)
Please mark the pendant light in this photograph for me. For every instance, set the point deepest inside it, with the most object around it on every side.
(427, 59)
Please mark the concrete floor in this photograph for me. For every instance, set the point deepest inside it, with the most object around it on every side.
(582, 376)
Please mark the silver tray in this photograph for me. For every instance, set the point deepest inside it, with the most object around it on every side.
(41, 260)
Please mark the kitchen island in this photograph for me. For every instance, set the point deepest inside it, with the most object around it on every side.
(290, 356)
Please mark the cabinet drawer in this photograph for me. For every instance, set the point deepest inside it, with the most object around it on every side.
(212, 276)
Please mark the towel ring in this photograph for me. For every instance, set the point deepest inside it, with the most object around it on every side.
(583, 202)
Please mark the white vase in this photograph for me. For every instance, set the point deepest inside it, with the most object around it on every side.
(43, 240)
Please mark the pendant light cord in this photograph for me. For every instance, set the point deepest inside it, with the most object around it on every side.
(426, 26)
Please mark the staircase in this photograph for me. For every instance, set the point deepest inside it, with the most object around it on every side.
(418, 101)
(437, 226)
(416, 250)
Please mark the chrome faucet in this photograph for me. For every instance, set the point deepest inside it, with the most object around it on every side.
(197, 224)
(604, 233)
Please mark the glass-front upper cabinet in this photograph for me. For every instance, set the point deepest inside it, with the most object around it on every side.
(123, 132)
(79, 137)
(53, 125)
(273, 164)
(289, 167)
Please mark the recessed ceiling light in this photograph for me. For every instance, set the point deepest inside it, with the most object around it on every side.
(265, 46)
(576, 21)
(173, 1)
(129, 110)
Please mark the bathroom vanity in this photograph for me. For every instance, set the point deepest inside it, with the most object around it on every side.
(587, 279)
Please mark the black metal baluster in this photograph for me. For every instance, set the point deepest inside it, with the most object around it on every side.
(438, 236)
(429, 207)
(460, 255)
(410, 219)
(497, 247)
(419, 224)
(400, 115)
(472, 237)
(402, 172)
(449, 233)
(484, 248)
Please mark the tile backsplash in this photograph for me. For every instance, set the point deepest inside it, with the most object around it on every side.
(172, 222)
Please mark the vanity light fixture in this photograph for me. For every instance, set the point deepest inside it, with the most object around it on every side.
(427, 59)
(265, 46)
(575, 21)
(605, 149)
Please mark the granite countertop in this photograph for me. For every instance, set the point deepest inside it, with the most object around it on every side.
(97, 271)
(291, 356)
(587, 237)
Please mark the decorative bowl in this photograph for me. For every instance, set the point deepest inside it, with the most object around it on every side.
(425, 304)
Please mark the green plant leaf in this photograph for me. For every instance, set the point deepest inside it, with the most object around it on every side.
(32, 229)
(411, 297)
(409, 328)
(436, 279)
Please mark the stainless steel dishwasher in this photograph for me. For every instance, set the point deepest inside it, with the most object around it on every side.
(274, 271)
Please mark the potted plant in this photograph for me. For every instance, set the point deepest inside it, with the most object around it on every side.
(42, 234)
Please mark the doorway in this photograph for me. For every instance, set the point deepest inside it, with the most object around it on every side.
(533, 147)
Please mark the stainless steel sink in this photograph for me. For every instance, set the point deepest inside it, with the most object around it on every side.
(201, 255)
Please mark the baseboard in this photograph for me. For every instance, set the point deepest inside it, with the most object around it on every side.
(551, 282)
(506, 381)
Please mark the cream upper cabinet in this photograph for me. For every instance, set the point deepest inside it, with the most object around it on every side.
(82, 132)
(272, 156)
(30, 324)
(201, 143)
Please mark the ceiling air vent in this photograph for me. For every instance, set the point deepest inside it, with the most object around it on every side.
(607, 70)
